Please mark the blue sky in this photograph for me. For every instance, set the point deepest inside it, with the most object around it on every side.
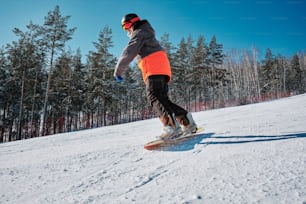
(278, 25)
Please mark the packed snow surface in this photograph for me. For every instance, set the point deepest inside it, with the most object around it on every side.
(248, 154)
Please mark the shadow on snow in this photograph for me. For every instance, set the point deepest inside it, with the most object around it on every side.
(226, 140)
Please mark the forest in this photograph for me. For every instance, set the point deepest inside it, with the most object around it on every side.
(46, 89)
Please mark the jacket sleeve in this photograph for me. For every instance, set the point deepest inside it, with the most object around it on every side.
(129, 53)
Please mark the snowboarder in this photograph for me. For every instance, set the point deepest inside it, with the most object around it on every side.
(156, 72)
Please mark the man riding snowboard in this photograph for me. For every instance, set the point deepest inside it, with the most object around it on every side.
(154, 64)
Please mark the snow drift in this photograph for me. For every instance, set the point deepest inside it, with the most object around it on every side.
(248, 154)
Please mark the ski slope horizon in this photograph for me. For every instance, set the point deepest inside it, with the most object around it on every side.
(246, 154)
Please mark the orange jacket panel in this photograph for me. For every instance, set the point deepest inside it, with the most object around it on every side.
(156, 63)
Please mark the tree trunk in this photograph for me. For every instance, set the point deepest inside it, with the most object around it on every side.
(42, 125)
(21, 107)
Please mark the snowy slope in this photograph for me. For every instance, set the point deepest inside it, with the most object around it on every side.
(248, 154)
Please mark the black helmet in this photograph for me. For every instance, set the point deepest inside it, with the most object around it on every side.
(128, 20)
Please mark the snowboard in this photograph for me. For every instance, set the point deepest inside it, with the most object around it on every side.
(160, 143)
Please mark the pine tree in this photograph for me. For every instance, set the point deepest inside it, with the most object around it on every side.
(100, 77)
(180, 70)
(78, 90)
(167, 46)
(4, 93)
(54, 34)
(267, 72)
(217, 75)
(200, 65)
(60, 97)
(25, 61)
(295, 82)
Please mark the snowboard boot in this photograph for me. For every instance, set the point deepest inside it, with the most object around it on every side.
(171, 128)
(187, 123)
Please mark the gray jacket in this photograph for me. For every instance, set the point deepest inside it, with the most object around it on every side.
(142, 43)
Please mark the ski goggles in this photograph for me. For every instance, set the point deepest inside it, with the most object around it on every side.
(128, 24)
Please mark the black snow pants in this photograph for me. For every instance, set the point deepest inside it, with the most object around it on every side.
(157, 95)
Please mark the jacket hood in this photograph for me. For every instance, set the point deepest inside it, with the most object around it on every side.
(143, 25)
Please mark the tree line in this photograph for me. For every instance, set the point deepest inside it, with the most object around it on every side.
(47, 89)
